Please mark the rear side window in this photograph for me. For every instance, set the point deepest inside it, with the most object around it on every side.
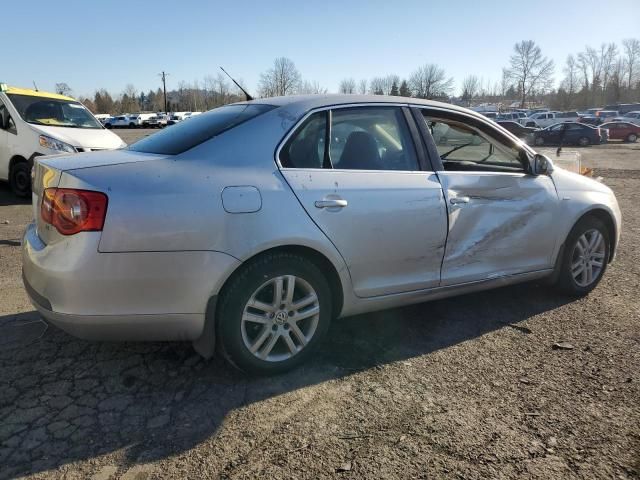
(360, 138)
(186, 135)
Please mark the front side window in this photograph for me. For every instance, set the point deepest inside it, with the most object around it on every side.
(464, 147)
(360, 138)
(53, 112)
(4, 113)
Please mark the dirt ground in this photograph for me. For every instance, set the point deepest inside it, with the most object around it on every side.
(469, 387)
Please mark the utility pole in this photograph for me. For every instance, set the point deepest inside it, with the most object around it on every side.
(164, 88)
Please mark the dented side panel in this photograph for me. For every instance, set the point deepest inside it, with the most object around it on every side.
(499, 224)
(392, 230)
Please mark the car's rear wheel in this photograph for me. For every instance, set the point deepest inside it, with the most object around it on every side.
(20, 179)
(539, 141)
(584, 141)
(132, 125)
(274, 313)
(632, 138)
(107, 125)
(585, 257)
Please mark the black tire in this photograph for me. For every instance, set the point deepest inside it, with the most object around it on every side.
(20, 179)
(237, 293)
(584, 141)
(132, 125)
(107, 126)
(566, 283)
(539, 141)
(632, 138)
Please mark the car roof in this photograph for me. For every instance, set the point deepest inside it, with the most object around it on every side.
(37, 93)
(310, 102)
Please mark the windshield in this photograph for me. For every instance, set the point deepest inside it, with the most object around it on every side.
(53, 112)
(183, 136)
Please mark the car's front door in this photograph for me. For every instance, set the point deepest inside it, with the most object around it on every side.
(500, 216)
(357, 173)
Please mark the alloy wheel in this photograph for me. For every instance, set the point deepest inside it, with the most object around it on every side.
(280, 318)
(587, 260)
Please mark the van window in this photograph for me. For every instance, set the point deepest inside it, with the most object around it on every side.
(53, 112)
(186, 135)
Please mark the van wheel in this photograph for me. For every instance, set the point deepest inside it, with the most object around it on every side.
(585, 257)
(632, 138)
(132, 125)
(273, 314)
(584, 141)
(20, 179)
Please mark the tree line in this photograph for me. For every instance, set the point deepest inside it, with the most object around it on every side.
(594, 77)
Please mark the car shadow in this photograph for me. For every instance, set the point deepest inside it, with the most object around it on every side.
(64, 399)
(8, 198)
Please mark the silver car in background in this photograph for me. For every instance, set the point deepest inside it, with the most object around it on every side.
(252, 226)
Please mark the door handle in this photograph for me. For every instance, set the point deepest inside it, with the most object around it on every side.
(331, 203)
(459, 200)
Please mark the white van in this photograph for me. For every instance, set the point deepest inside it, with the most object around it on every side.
(34, 123)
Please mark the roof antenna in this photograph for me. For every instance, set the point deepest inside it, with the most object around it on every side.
(35, 86)
(249, 97)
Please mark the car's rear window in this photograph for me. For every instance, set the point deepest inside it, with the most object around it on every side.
(185, 135)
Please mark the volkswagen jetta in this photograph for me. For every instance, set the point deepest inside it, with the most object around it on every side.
(252, 226)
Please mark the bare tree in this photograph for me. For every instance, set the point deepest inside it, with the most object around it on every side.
(281, 79)
(469, 88)
(631, 59)
(571, 72)
(529, 69)
(376, 85)
(311, 88)
(430, 81)
(63, 89)
(362, 87)
(347, 86)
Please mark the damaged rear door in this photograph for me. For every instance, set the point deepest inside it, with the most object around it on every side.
(500, 216)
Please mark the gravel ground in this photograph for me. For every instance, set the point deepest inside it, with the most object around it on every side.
(459, 388)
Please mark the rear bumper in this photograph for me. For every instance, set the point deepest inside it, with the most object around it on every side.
(121, 296)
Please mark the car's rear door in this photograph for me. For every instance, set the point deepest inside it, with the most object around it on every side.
(500, 217)
(360, 176)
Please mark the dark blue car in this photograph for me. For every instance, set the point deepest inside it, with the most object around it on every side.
(569, 133)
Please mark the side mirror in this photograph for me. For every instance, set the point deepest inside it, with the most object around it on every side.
(541, 165)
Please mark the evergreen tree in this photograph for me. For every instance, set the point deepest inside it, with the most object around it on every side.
(404, 89)
(394, 89)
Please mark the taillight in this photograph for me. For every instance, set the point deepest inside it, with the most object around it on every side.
(71, 211)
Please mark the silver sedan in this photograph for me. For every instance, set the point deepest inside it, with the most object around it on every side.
(252, 226)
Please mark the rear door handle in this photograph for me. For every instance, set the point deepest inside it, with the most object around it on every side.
(332, 203)
(459, 200)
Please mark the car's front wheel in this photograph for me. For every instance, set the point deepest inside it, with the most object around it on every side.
(274, 313)
(20, 179)
(584, 141)
(632, 138)
(585, 257)
(539, 141)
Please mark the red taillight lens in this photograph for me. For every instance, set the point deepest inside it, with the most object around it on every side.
(72, 211)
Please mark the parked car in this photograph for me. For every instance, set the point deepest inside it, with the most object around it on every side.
(121, 121)
(631, 117)
(626, 131)
(158, 121)
(604, 115)
(491, 115)
(141, 119)
(570, 133)
(183, 236)
(544, 119)
(102, 117)
(624, 108)
(517, 129)
(511, 116)
(590, 120)
(35, 123)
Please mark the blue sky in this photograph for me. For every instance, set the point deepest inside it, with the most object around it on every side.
(105, 44)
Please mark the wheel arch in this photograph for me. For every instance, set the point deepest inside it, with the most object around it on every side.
(18, 159)
(607, 219)
(205, 345)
